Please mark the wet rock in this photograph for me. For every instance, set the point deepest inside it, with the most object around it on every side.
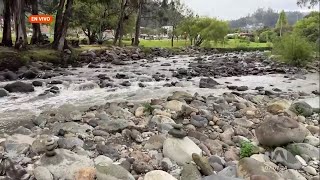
(280, 130)
(54, 82)
(3, 92)
(125, 83)
(304, 150)
(9, 75)
(208, 83)
(180, 150)
(286, 158)
(42, 173)
(37, 83)
(242, 88)
(112, 171)
(190, 172)
(203, 164)
(29, 74)
(248, 167)
(19, 87)
(199, 121)
(302, 108)
(158, 175)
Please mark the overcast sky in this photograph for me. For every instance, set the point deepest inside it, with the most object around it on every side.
(234, 9)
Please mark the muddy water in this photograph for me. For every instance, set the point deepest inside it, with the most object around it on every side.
(81, 88)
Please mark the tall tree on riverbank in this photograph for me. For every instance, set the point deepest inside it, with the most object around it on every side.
(282, 23)
(36, 31)
(63, 17)
(308, 3)
(6, 35)
(20, 23)
(138, 22)
(119, 30)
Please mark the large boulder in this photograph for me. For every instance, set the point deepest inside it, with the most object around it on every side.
(19, 87)
(208, 83)
(112, 172)
(280, 130)
(248, 167)
(174, 105)
(180, 150)
(180, 95)
(190, 172)
(158, 175)
(3, 92)
(302, 108)
(65, 164)
(286, 158)
(304, 150)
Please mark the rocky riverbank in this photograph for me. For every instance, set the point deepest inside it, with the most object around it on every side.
(123, 114)
(183, 136)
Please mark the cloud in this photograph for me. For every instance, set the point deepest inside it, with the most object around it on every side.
(234, 9)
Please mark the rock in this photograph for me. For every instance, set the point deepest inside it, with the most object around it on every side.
(163, 123)
(19, 87)
(214, 146)
(279, 106)
(177, 133)
(303, 149)
(286, 158)
(310, 170)
(158, 175)
(180, 95)
(65, 164)
(37, 83)
(180, 150)
(17, 143)
(292, 175)
(155, 142)
(70, 142)
(208, 83)
(86, 174)
(29, 74)
(3, 92)
(280, 130)
(199, 121)
(39, 144)
(314, 129)
(11, 76)
(242, 88)
(230, 171)
(166, 164)
(108, 150)
(22, 130)
(302, 108)
(72, 127)
(203, 163)
(102, 159)
(242, 122)
(314, 141)
(190, 172)
(141, 167)
(248, 167)
(115, 125)
(139, 112)
(217, 177)
(217, 167)
(174, 105)
(111, 171)
(216, 159)
(42, 173)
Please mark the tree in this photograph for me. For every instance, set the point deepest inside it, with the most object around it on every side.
(309, 27)
(205, 30)
(138, 23)
(20, 24)
(36, 33)
(309, 3)
(282, 22)
(63, 17)
(176, 14)
(102, 16)
(6, 36)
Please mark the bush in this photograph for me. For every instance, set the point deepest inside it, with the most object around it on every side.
(247, 149)
(293, 49)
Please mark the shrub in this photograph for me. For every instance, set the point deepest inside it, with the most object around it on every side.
(148, 109)
(247, 149)
(293, 49)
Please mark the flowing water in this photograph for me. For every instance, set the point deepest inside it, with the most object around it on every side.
(81, 88)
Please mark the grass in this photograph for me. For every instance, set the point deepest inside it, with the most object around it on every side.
(247, 149)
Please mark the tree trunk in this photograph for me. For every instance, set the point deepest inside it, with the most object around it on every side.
(119, 31)
(58, 23)
(6, 36)
(172, 37)
(20, 25)
(36, 33)
(60, 42)
(138, 23)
